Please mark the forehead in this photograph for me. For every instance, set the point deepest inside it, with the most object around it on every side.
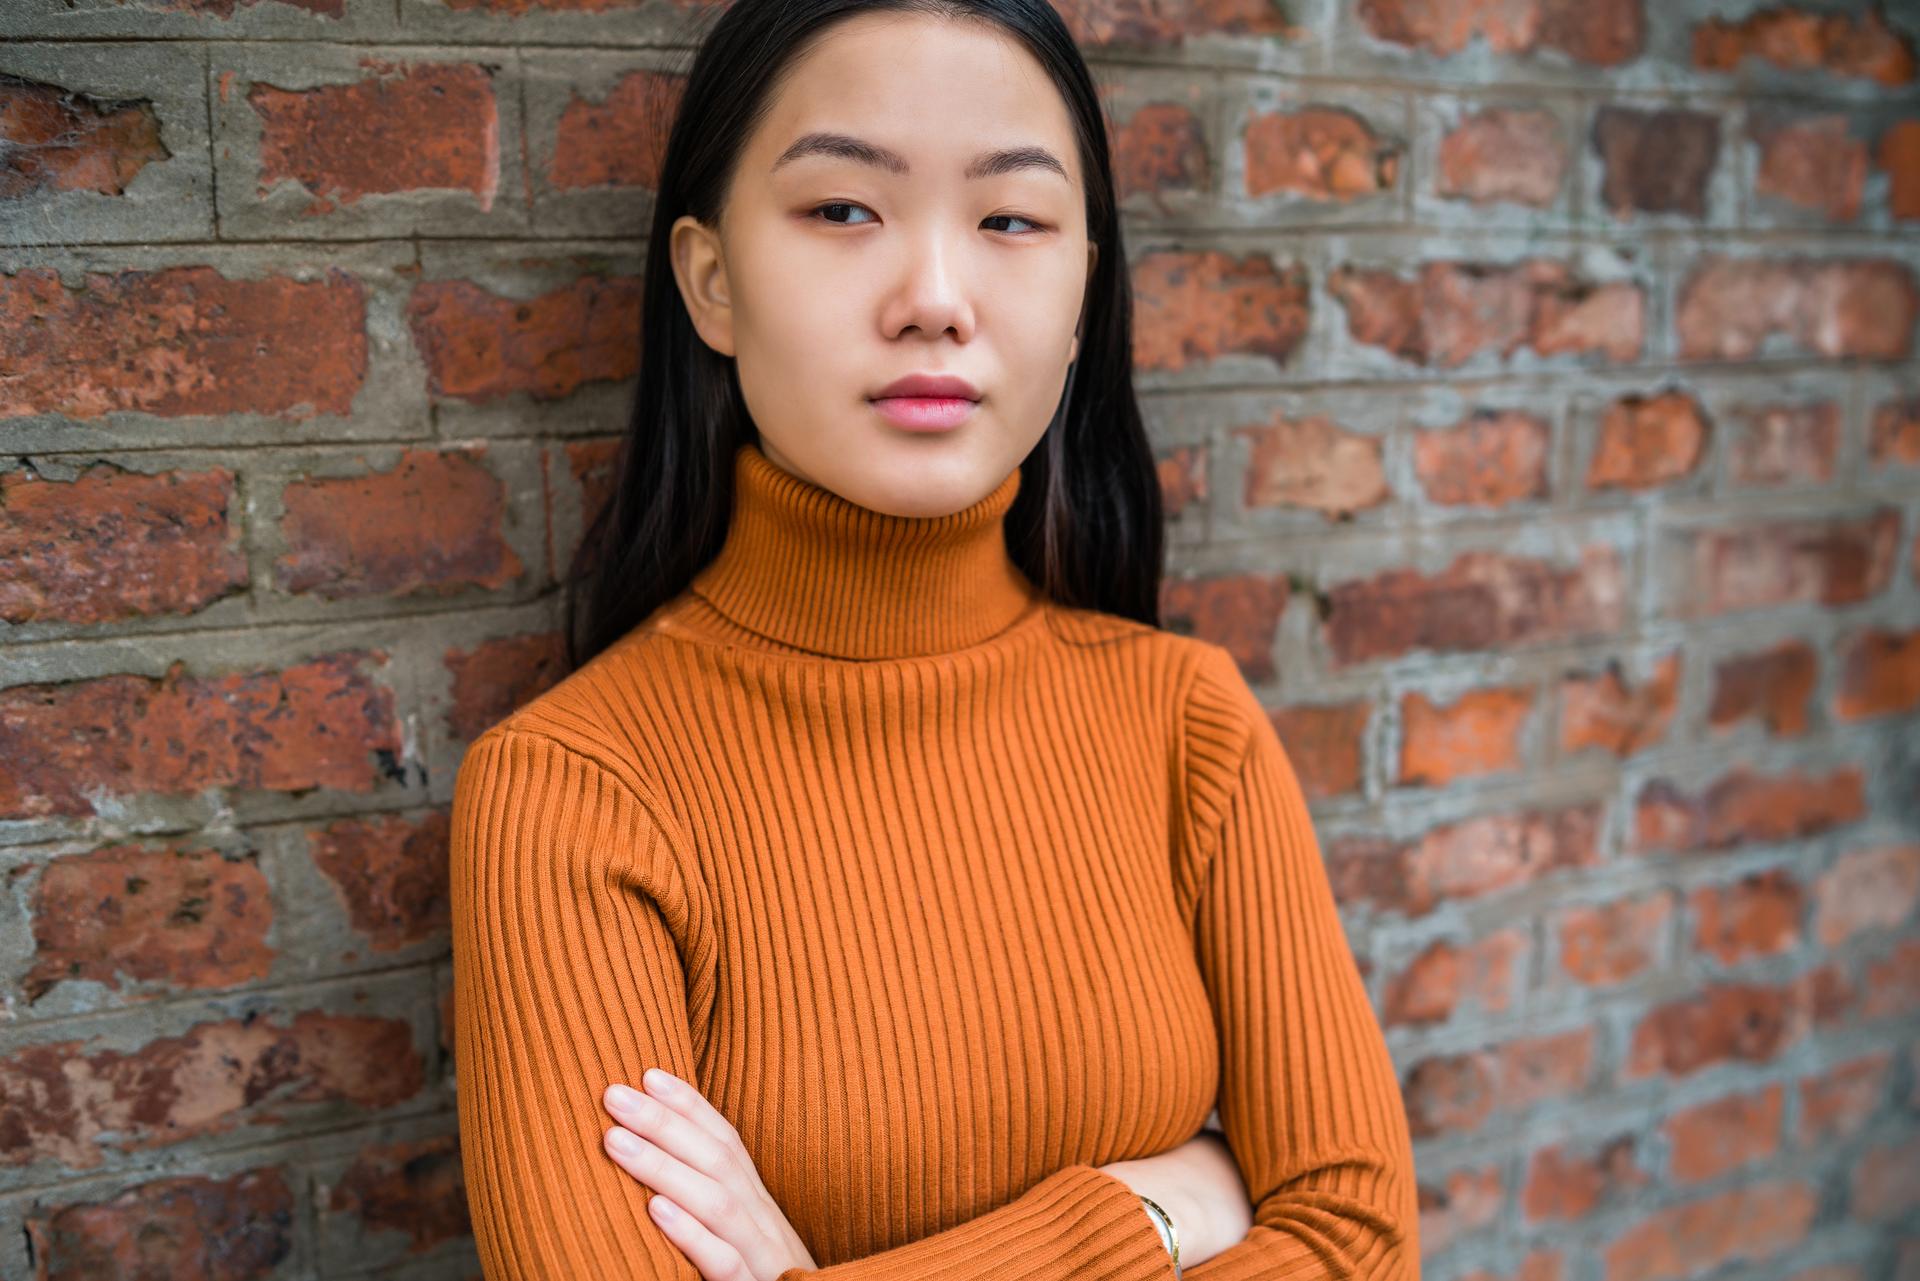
(936, 91)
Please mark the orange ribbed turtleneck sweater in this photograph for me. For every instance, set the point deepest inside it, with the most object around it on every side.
(945, 895)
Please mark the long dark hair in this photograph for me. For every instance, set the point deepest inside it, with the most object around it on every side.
(1086, 526)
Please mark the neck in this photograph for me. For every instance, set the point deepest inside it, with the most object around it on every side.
(806, 568)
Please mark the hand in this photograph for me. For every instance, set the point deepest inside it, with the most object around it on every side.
(1198, 1184)
(707, 1194)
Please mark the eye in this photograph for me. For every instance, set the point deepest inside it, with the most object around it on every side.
(839, 204)
(1037, 227)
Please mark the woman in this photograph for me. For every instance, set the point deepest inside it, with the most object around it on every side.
(886, 894)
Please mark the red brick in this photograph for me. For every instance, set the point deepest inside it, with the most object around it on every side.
(1479, 732)
(1649, 441)
(178, 342)
(1601, 32)
(1774, 687)
(1719, 1137)
(407, 127)
(415, 1189)
(1879, 675)
(60, 1101)
(515, 8)
(1785, 444)
(1866, 890)
(113, 544)
(1183, 479)
(1837, 1103)
(1197, 307)
(321, 723)
(239, 1228)
(1468, 1202)
(1313, 463)
(1608, 943)
(1504, 153)
(391, 872)
(1134, 23)
(1757, 915)
(1603, 711)
(433, 525)
(1326, 746)
(1482, 600)
(225, 8)
(1320, 152)
(1804, 39)
(1489, 459)
(1161, 147)
(58, 139)
(1900, 157)
(1457, 1094)
(1656, 161)
(1721, 1023)
(1745, 806)
(1752, 1222)
(1484, 973)
(1860, 307)
(497, 676)
(591, 465)
(1570, 1185)
(479, 346)
(1827, 561)
(1468, 859)
(1454, 311)
(619, 141)
(1238, 611)
(1896, 434)
(1815, 163)
(177, 918)
(1885, 1182)
(1893, 983)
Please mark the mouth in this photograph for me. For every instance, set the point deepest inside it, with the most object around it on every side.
(924, 413)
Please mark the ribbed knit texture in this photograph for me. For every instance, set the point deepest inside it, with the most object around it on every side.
(943, 894)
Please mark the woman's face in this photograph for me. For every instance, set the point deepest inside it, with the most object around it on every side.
(843, 264)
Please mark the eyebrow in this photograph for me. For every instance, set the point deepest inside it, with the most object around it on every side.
(988, 164)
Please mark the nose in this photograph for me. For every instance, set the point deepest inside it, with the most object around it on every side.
(932, 293)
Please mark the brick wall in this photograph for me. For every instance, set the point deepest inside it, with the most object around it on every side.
(1536, 393)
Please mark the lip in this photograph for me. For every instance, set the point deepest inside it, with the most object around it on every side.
(928, 387)
(924, 413)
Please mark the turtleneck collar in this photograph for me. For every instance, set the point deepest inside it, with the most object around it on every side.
(807, 568)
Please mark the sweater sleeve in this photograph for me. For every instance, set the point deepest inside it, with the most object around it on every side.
(570, 925)
(1309, 1100)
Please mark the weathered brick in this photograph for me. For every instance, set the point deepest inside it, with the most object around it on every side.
(112, 544)
(1570, 1184)
(322, 723)
(346, 538)
(497, 676)
(1479, 732)
(1460, 1203)
(406, 127)
(1879, 675)
(1885, 1183)
(1320, 152)
(1326, 745)
(1757, 915)
(479, 346)
(1504, 153)
(60, 1101)
(1137, 24)
(1601, 32)
(1649, 441)
(1711, 1139)
(391, 872)
(1837, 1103)
(1489, 459)
(1785, 444)
(1198, 307)
(1453, 311)
(1746, 806)
(1183, 479)
(415, 1189)
(1161, 147)
(1485, 973)
(1313, 463)
(1900, 157)
(1893, 983)
(1798, 38)
(1482, 600)
(1868, 889)
(1656, 161)
(1719, 1023)
(1238, 611)
(1608, 943)
(1814, 162)
(1862, 307)
(1752, 1222)
(1603, 711)
(175, 919)
(1896, 434)
(1456, 1094)
(1467, 859)
(55, 139)
(180, 341)
(619, 141)
(239, 1228)
(1837, 560)
(1774, 687)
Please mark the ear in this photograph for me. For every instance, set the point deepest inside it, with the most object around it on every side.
(700, 270)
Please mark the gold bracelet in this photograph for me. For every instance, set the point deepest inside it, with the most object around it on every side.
(1168, 1237)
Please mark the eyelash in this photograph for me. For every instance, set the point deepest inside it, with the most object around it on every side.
(849, 204)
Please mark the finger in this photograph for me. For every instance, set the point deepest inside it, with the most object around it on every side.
(654, 1166)
(716, 1260)
(654, 1120)
(687, 1100)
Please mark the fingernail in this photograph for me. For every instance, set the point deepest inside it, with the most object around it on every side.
(623, 1142)
(662, 1207)
(659, 1082)
(621, 1097)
